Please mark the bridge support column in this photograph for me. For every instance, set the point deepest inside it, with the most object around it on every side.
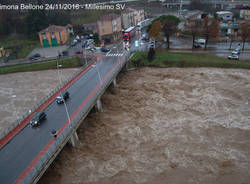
(99, 105)
(114, 82)
(74, 140)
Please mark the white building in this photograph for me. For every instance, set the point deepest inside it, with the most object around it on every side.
(245, 14)
(225, 15)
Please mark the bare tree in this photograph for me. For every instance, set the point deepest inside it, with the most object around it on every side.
(245, 33)
(210, 29)
(194, 28)
(170, 27)
(155, 30)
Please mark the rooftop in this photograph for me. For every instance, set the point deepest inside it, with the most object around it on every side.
(54, 28)
(109, 17)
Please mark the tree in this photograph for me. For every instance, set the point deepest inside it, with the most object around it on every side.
(170, 27)
(96, 38)
(155, 30)
(210, 29)
(61, 18)
(194, 28)
(151, 54)
(35, 21)
(245, 33)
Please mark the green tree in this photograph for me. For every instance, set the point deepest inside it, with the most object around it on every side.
(151, 54)
(35, 21)
(96, 38)
(170, 27)
(61, 18)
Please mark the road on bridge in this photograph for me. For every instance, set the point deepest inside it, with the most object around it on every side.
(19, 154)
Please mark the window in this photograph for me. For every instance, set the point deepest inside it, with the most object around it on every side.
(103, 30)
(44, 36)
(102, 23)
(53, 35)
(114, 22)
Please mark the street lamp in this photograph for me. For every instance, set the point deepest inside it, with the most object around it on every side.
(60, 83)
(95, 66)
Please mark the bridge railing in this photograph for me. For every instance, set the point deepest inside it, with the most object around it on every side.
(61, 140)
(42, 101)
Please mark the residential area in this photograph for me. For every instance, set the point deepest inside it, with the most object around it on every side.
(125, 91)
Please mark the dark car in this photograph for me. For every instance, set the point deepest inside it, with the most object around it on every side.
(34, 57)
(103, 49)
(62, 97)
(37, 119)
(65, 53)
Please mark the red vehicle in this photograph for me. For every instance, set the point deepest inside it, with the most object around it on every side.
(129, 33)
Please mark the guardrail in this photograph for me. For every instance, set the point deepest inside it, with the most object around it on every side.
(42, 101)
(56, 146)
(26, 61)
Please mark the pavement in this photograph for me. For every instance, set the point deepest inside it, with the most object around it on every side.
(50, 51)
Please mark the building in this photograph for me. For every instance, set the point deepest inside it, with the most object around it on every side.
(245, 13)
(131, 17)
(139, 16)
(225, 15)
(90, 27)
(109, 27)
(55, 35)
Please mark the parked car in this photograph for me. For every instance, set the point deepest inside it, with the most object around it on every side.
(236, 52)
(104, 49)
(79, 51)
(37, 119)
(65, 53)
(62, 97)
(233, 56)
(34, 57)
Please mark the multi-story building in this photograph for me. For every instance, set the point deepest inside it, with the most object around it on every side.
(109, 27)
(245, 13)
(55, 35)
(90, 27)
(131, 17)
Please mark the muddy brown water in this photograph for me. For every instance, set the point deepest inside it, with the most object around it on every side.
(163, 125)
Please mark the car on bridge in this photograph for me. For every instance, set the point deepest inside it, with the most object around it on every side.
(62, 97)
(37, 119)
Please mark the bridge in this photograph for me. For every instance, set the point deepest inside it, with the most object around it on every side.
(26, 152)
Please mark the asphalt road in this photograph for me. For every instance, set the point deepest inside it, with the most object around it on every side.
(27, 144)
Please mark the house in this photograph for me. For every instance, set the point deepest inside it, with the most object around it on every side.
(131, 17)
(245, 13)
(225, 15)
(90, 27)
(55, 35)
(109, 27)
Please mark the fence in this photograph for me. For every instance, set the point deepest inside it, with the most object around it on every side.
(36, 172)
(42, 101)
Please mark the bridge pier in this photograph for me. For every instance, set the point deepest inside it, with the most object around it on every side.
(99, 105)
(74, 140)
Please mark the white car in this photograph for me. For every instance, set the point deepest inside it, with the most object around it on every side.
(236, 57)
(236, 52)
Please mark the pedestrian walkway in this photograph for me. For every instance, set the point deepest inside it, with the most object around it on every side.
(115, 54)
